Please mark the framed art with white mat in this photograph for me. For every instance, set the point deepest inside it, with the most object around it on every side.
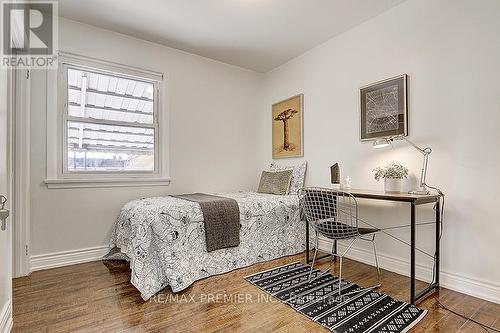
(384, 109)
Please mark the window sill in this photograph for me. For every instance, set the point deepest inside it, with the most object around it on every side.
(104, 183)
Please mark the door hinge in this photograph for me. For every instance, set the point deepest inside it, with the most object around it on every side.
(27, 74)
(26, 249)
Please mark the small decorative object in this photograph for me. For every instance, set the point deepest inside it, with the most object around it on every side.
(392, 173)
(384, 109)
(287, 127)
(335, 174)
(347, 183)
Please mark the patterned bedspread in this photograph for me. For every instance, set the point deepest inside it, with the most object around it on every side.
(163, 238)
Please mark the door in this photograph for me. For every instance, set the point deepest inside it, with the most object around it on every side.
(5, 190)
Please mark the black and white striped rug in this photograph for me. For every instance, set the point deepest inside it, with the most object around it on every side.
(364, 311)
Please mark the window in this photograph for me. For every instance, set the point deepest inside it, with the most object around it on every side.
(110, 123)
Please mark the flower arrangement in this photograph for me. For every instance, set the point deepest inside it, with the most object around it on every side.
(392, 170)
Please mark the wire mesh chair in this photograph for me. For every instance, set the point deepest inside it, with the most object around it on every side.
(334, 215)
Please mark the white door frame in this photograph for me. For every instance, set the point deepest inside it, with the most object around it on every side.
(6, 311)
(21, 195)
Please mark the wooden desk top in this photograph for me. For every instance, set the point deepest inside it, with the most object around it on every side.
(402, 197)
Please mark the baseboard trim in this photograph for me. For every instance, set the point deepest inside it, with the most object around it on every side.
(6, 318)
(65, 258)
(486, 290)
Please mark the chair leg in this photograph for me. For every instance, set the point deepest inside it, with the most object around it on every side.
(341, 261)
(376, 262)
(340, 273)
(315, 254)
(334, 250)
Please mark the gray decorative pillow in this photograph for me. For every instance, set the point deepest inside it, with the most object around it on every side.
(276, 182)
(298, 175)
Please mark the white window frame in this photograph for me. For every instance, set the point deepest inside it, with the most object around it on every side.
(58, 175)
(63, 88)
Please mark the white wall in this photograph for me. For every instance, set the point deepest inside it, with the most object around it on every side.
(450, 50)
(213, 121)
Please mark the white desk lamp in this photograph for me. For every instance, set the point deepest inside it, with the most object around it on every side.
(386, 142)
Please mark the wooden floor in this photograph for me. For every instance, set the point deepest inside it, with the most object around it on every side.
(98, 297)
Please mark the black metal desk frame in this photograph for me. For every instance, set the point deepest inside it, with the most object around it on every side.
(413, 200)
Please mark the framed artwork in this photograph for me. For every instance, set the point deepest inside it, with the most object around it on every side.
(384, 109)
(287, 127)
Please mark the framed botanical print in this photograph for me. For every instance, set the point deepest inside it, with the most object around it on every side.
(384, 109)
(287, 127)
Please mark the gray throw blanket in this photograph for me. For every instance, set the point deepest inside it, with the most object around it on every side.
(221, 217)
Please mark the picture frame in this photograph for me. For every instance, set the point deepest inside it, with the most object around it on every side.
(384, 108)
(287, 127)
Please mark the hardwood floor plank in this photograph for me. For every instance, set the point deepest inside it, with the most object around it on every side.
(487, 314)
(467, 306)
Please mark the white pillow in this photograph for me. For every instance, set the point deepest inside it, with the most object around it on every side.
(298, 175)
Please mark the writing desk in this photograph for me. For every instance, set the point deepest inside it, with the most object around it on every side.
(414, 200)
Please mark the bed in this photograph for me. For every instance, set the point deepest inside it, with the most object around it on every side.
(163, 238)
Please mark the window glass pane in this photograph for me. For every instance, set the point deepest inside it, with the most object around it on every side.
(108, 97)
(95, 147)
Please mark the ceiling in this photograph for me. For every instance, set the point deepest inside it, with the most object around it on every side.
(255, 34)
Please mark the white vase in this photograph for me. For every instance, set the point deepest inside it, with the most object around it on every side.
(392, 184)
